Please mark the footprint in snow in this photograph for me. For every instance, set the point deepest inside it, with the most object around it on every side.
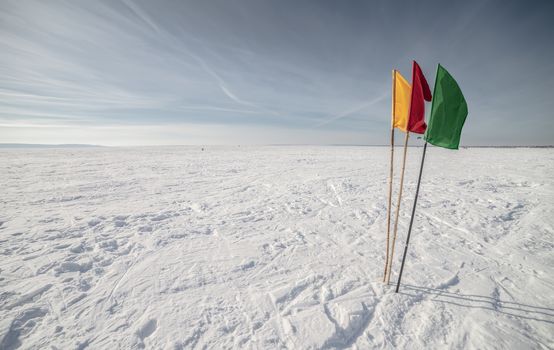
(23, 324)
(95, 221)
(146, 330)
(120, 223)
(246, 266)
(145, 229)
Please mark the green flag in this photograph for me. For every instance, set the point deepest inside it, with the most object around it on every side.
(448, 112)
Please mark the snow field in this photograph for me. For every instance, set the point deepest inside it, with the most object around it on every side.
(273, 247)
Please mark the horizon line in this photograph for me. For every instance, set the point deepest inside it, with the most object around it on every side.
(79, 145)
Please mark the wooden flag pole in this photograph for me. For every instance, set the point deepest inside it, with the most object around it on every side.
(390, 176)
(398, 206)
(411, 219)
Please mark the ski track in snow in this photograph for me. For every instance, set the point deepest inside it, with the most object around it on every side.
(273, 247)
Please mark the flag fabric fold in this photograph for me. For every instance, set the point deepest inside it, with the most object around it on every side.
(420, 94)
(401, 102)
(448, 112)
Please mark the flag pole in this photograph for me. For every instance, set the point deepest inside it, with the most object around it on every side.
(412, 218)
(398, 205)
(390, 175)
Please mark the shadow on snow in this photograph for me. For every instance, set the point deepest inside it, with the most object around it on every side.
(529, 312)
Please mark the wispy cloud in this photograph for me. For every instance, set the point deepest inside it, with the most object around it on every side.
(142, 15)
(353, 110)
(224, 86)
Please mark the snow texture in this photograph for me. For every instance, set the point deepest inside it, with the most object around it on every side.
(273, 247)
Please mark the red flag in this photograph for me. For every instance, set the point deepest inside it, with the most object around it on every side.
(420, 94)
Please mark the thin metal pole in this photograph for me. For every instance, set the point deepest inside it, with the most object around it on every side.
(411, 219)
(398, 206)
(390, 176)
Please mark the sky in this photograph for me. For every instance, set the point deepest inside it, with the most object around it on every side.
(140, 72)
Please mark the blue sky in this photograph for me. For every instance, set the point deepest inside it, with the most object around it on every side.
(135, 72)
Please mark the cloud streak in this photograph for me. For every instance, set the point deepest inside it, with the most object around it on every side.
(353, 110)
(223, 86)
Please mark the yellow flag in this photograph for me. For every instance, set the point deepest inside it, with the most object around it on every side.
(401, 102)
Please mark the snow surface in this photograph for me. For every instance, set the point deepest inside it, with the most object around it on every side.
(273, 247)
